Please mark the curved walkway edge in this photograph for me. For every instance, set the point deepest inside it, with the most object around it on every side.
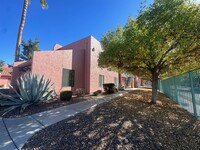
(14, 132)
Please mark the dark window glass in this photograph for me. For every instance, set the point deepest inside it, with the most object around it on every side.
(68, 77)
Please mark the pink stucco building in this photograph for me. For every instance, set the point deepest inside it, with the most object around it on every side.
(70, 67)
(5, 76)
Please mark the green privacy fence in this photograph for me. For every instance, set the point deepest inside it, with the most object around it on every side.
(184, 89)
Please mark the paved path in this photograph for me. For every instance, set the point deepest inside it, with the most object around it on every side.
(14, 132)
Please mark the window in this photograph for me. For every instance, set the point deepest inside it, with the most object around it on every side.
(116, 81)
(68, 77)
(101, 80)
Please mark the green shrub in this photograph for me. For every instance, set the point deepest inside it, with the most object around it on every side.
(66, 95)
(120, 88)
(96, 93)
(32, 90)
(109, 88)
(116, 90)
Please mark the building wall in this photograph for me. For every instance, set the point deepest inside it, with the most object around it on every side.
(95, 71)
(80, 63)
(137, 81)
(16, 73)
(5, 76)
(80, 56)
(86, 66)
(128, 82)
(123, 80)
(4, 82)
(50, 64)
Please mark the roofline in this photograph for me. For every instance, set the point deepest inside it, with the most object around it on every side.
(88, 37)
(28, 62)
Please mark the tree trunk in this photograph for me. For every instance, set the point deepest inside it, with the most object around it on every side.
(20, 30)
(120, 78)
(154, 87)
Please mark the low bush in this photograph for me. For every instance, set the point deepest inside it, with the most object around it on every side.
(80, 92)
(66, 95)
(96, 93)
(116, 90)
(120, 88)
(109, 88)
(99, 91)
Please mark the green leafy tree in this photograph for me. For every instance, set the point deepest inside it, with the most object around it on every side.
(112, 43)
(163, 36)
(21, 26)
(28, 48)
(1, 64)
(181, 68)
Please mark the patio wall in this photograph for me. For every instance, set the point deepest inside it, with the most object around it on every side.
(16, 73)
(4, 82)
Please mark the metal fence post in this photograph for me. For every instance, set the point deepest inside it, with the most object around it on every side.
(176, 92)
(159, 85)
(193, 96)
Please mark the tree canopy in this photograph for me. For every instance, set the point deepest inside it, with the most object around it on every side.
(1, 64)
(112, 44)
(28, 48)
(163, 36)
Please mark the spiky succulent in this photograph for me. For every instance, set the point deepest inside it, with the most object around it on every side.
(32, 90)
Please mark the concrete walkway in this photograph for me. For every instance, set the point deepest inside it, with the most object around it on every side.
(14, 132)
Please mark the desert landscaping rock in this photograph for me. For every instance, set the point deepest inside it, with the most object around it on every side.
(128, 122)
(52, 104)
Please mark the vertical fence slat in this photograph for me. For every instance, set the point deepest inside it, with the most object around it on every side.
(193, 96)
(176, 92)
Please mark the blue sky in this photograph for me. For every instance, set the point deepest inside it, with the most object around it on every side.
(63, 22)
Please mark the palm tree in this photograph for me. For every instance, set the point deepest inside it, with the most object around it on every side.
(21, 26)
(28, 48)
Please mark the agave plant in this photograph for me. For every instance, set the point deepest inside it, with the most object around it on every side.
(32, 90)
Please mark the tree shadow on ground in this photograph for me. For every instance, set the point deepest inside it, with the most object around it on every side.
(128, 122)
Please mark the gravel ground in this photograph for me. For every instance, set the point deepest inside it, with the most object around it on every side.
(55, 103)
(128, 122)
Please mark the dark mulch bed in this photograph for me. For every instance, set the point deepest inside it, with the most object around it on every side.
(129, 122)
(55, 103)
